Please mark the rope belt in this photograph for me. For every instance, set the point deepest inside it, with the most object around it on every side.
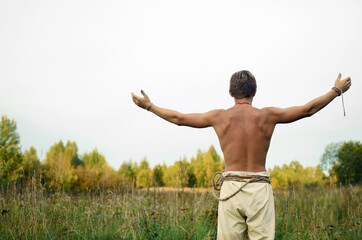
(247, 179)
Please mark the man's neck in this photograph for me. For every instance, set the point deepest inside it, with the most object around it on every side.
(248, 100)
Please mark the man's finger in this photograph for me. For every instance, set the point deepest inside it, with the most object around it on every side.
(135, 100)
(339, 77)
(143, 93)
(134, 95)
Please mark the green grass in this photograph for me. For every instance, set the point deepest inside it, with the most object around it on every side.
(329, 213)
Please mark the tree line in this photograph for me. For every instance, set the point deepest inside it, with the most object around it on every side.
(65, 169)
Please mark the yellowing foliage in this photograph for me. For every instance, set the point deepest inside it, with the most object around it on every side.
(64, 169)
(295, 176)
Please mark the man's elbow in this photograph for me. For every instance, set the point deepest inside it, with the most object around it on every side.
(185, 120)
(308, 110)
(179, 119)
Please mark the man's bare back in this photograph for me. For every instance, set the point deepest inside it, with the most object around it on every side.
(244, 134)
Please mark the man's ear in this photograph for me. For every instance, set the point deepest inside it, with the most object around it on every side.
(254, 93)
(230, 93)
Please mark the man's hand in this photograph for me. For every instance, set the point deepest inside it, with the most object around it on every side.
(343, 84)
(142, 102)
(287, 115)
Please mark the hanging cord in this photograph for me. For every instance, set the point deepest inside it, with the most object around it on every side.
(218, 183)
(344, 110)
(340, 93)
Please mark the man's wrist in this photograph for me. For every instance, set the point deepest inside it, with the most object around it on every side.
(149, 107)
(337, 90)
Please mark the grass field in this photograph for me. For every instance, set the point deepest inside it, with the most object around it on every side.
(327, 213)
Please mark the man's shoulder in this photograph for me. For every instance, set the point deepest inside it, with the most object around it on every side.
(269, 110)
(217, 111)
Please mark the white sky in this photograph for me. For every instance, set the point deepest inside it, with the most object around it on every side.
(67, 69)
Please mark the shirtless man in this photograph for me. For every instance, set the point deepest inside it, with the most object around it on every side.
(244, 134)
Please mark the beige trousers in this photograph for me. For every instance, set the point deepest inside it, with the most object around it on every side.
(251, 210)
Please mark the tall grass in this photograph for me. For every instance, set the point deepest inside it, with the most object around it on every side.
(329, 213)
(133, 214)
(323, 213)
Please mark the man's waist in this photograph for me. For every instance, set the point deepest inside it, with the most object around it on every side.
(245, 174)
(239, 176)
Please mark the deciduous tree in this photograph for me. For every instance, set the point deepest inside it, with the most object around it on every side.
(58, 164)
(349, 167)
(31, 164)
(157, 176)
(10, 153)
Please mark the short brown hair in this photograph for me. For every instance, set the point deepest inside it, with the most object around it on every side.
(242, 84)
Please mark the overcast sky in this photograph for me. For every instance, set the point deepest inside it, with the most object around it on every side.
(67, 69)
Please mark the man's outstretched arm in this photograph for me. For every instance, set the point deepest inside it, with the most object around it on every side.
(196, 120)
(287, 115)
